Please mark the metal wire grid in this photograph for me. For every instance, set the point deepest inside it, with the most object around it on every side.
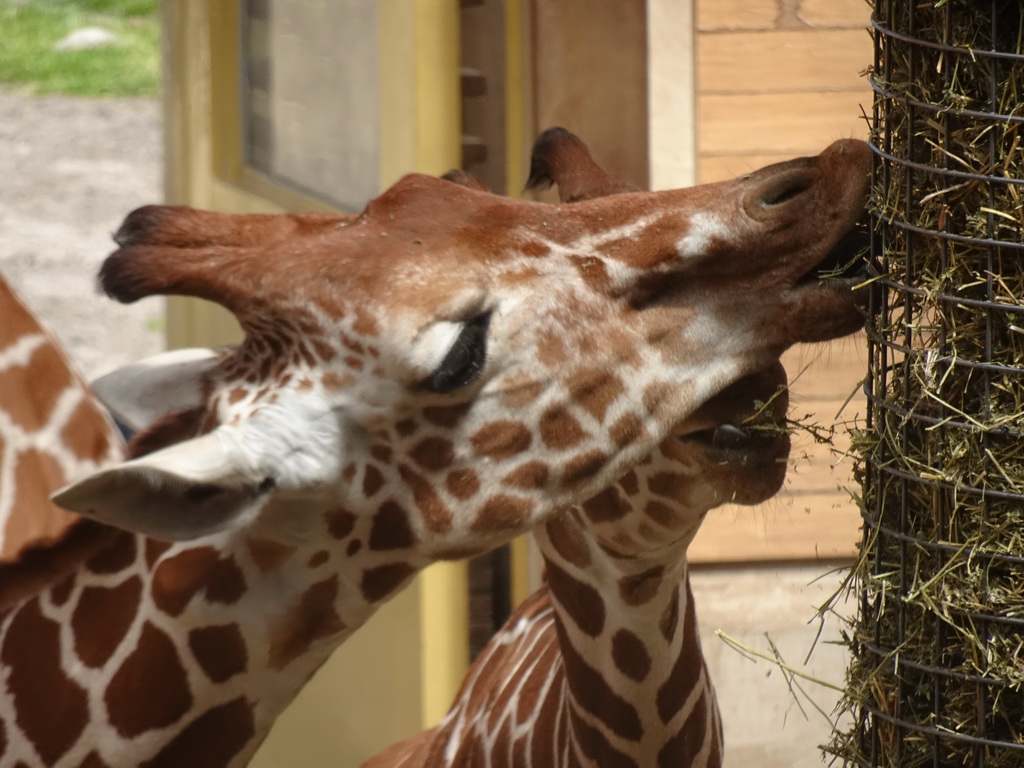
(944, 380)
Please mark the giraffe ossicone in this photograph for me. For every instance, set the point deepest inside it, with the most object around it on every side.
(425, 380)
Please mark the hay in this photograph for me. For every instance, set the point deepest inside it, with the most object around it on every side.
(937, 676)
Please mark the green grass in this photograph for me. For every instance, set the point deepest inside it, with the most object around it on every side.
(128, 67)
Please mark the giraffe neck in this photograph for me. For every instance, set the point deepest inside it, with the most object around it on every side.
(637, 691)
(175, 654)
(51, 429)
(602, 667)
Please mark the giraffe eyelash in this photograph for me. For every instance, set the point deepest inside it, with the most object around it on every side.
(465, 360)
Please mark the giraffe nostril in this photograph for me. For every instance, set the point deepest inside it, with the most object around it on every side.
(787, 189)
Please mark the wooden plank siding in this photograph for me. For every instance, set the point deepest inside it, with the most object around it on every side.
(778, 79)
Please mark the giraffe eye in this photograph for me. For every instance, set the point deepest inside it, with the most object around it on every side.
(465, 360)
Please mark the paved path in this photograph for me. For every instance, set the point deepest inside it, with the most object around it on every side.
(70, 169)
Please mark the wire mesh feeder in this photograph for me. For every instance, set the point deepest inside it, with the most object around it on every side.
(937, 675)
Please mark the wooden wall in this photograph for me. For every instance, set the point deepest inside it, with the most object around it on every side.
(778, 79)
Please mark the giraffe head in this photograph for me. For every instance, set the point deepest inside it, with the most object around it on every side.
(457, 366)
(734, 448)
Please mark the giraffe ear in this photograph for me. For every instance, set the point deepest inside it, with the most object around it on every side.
(192, 489)
(139, 394)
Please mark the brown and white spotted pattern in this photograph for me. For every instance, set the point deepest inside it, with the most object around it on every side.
(51, 429)
(429, 379)
(603, 666)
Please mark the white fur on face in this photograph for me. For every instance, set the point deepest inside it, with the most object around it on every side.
(705, 229)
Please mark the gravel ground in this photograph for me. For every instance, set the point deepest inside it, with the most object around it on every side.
(71, 169)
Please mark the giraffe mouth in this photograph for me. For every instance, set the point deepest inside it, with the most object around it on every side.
(846, 260)
(847, 267)
(744, 424)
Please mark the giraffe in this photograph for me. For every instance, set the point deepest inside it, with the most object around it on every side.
(51, 429)
(602, 666)
(427, 380)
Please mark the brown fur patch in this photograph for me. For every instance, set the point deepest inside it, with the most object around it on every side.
(630, 655)
(521, 393)
(433, 454)
(172, 429)
(219, 650)
(353, 547)
(591, 269)
(595, 390)
(365, 324)
(446, 416)
(373, 481)
(317, 559)
(335, 382)
(406, 427)
(607, 506)
(590, 691)
(60, 593)
(381, 453)
(568, 540)
(436, 515)
(630, 483)
(670, 618)
(154, 549)
(391, 529)
(36, 475)
(463, 484)
(627, 429)
(267, 554)
(40, 567)
(530, 476)
(92, 760)
(324, 351)
(153, 666)
(583, 468)
(551, 350)
(501, 440)
(684, 746)
(29, 400)
(655, 394)
(641, 587)
(52, 710)
(377, 583)
(227, 583)
(178, 579)
(113, 558)
(581, 602)
(212, 740)
(534, 248)
(340, 523)
(665, 484)
(559, 429)
(660, 513)
(87, 433)
(101, 618)
(502, 513)
(311, 618)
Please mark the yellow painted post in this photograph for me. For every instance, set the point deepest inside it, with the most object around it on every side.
(517, 139)
(444, 619)
(518, 115)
